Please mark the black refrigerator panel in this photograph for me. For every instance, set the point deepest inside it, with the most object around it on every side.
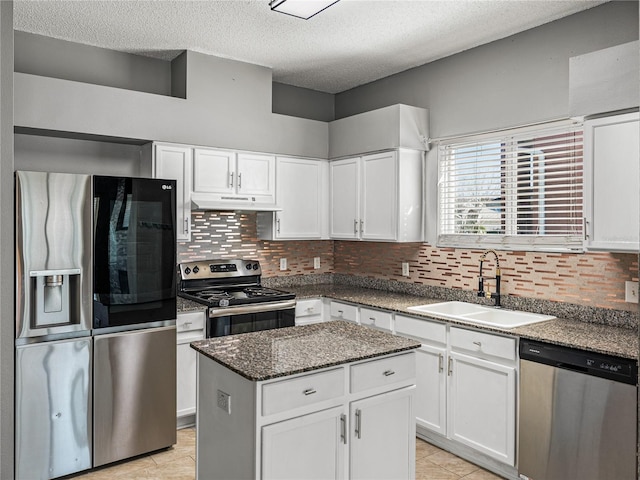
(134, 254)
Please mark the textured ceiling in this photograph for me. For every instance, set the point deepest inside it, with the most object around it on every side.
(351, 43)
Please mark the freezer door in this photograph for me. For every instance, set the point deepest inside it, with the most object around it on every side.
(134, 392)
(53, 404)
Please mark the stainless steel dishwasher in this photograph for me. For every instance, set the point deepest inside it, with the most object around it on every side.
(578, 414)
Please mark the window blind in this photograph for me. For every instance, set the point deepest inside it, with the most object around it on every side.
(513, 190)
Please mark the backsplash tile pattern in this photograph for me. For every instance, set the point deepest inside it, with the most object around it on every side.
(590, 279)
(218, 234)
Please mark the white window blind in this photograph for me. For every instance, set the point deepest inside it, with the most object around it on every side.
(520, 189)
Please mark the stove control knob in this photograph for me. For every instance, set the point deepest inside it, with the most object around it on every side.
(255, 266)
(187, 271)
(248, 266)
(196, 269)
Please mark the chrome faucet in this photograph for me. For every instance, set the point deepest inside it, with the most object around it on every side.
(481, 279)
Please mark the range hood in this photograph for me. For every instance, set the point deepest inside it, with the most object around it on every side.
(232, 202)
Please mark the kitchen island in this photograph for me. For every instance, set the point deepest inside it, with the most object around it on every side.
(330, 400)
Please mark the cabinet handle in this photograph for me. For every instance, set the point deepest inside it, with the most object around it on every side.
(355, 226)
(239, 181)
(373, 319)
(478, 344)
(584, 228)
(278, 225)
(309, 391)
(388, 373)
(186, 225)
(358, 423)
(361, 227)
(450, 369)
(440, 363)
(187, 324)
(231, 179)
(343, 428)
(340, 312)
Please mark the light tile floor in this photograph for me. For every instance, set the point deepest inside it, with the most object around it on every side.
(179, 463)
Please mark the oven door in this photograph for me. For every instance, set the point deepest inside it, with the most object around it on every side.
(250, 318)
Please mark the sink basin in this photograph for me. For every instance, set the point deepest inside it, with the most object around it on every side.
(469, 312)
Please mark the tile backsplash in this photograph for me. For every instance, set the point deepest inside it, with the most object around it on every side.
(590, 279)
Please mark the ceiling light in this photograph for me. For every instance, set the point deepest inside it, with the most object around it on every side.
(301, 8)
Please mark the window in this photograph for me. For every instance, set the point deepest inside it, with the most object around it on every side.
(519, 189)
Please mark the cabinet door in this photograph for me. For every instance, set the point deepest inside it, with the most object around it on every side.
(214, 171)
(431, 394)
(379, 207)
(186, 372)
(382, 438)
(174, 163)
(300, 193)
(612, 183)
(482, 399)
(256, 175)
(310, 447)
(345, 204)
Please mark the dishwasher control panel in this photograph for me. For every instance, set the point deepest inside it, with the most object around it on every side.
(606, 366)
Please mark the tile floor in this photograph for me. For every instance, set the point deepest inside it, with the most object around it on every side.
(178, 463)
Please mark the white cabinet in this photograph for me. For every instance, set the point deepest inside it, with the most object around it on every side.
(465, 386)
(381, 437)
(377, 197)
(173, 162)
(227, 179)
(354, 420)
(344, 311)
(302, 196)
(323, 455)
(373, 318)
(189, 328)
(612, 183)
(309, 310)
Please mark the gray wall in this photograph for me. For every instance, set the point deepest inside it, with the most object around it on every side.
(51, 57)
(50, 154)
(6, 240)
(228, 105)
(518, 80)
(302, 102)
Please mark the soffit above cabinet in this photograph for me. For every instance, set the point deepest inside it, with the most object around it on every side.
(395, 126)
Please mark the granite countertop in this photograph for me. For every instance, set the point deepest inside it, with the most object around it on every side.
(281, 352)
(183, 305)
(607, 339)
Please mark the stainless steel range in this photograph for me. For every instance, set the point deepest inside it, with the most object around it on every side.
(237, 301)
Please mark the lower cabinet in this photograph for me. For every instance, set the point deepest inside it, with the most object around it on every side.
(189, 328)
(465, 388)
(309, 310)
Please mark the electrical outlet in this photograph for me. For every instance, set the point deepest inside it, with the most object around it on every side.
(316, 262)
(631, 292)
(405, 269)
(224, 401)
(283, 264)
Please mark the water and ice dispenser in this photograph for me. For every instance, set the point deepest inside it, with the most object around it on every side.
(56, 298)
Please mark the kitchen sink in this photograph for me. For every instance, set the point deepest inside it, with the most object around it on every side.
(472, 313)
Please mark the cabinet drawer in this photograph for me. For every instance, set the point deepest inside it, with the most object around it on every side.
(375, 318)
(485, 343)
(386, 371)
(302, 391)
(344, 311)
(306, 308)
(190, 321)
(422, 329)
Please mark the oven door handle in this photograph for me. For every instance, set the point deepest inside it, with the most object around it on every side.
(257, 308)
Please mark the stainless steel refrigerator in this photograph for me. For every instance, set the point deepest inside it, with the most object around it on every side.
(95, 321)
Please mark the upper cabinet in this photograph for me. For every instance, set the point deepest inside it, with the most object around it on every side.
(173, 162)
(229, 180)
(302, 195)
(612, 183)
(377, 197)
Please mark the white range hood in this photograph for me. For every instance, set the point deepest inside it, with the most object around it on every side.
(231, 202)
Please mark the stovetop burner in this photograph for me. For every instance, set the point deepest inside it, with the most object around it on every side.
(223, 283)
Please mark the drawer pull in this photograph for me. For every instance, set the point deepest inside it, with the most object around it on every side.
(187, 324)
(479, 344)
(309, 391)
(373, 319)
(388, 373)
(340, 312)
(440, 363)
(450, 370)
